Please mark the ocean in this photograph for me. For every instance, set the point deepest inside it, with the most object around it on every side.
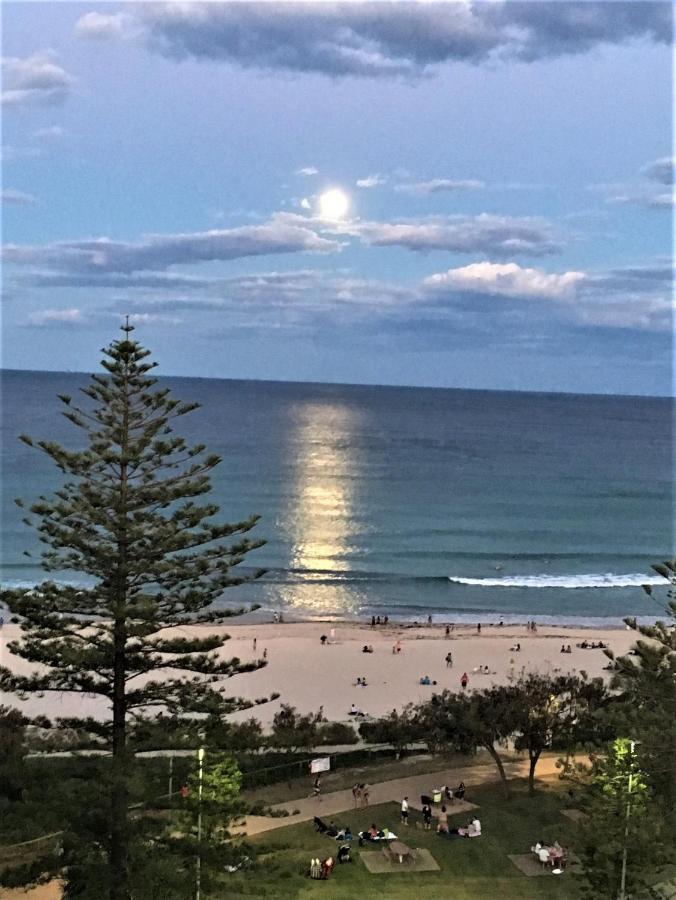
(407, 502)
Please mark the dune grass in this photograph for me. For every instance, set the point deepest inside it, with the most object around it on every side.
(470, 869)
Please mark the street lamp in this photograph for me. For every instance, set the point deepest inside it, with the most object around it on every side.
(198, 869)
(630, 786)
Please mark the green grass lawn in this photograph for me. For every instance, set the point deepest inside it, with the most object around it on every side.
(470, 869)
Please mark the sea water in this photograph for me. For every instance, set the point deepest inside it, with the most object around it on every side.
(463, 505)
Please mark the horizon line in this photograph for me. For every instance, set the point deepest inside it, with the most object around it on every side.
(356, 384)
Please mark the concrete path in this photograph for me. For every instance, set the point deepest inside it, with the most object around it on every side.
(329, 805)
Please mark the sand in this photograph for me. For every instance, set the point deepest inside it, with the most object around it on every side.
(309, 675)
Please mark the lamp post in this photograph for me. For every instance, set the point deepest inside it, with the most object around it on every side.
(623, 877)
(198, 864)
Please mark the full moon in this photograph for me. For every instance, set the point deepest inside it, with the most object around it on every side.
(333, 204)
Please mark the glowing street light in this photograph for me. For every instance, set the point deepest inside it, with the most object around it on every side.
(198, 869)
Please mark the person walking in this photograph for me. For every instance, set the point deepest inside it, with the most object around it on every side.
(464, 681)
(449, 660)
(365, 794)
(404, 811)
(317, 788)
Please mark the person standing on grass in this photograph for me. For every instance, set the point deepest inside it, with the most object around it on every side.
(464, 681)
(427, 816)
(404, 811)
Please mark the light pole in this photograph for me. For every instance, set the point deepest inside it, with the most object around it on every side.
(623, 877)
(198, 865)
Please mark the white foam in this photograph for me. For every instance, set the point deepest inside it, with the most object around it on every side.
(607, 580)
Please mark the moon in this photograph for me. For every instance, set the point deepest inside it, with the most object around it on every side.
(334, 204)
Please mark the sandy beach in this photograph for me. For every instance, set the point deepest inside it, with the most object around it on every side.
(309, 675)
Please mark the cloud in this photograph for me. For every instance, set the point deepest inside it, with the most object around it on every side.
(307, 170)
(159, 252)
(376, 39)
(34, 79)
(17, 198)
(97, 26)
(506, 280)
(648, 200)
(661, 170)
(56, 316)
(493, 235)
(371, 181)
(53, 132)
(440, 186)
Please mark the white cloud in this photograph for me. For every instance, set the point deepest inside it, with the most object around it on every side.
(507, 280)
(661, 170)
(56, 316)
(17, 198)
(307, 170)
(305, 203)
(34, 79)
(493, 235)
(440, 186)
(53, 132)
(96, 26)
(371, 181)
(161, 251)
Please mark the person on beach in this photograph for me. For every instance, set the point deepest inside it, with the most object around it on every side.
(448, 631)
(449, 660)
(386, 620)
(275, 618)
(404, 811)
(323, 640)
(255, 641)
(429, 620)
(377, 620)
(373, 621)
(265, 652)
(478, 628)
(464, 680)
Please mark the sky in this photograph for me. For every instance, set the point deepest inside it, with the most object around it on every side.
(452, 194)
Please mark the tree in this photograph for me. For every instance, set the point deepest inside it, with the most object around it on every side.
(646, 681)
(396, 728)
(293, 730)
(619, 831)
(128, 518)
(12, 753)
(551, 712)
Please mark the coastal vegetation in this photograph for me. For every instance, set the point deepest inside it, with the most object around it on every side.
(128, 518)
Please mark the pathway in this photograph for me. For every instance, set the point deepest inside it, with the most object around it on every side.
(393, 791)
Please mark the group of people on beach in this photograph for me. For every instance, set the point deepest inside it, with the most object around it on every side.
(376, 620)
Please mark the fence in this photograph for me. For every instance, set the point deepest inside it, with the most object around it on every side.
(27, 851)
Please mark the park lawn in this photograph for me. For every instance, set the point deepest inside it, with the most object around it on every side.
(470, 869)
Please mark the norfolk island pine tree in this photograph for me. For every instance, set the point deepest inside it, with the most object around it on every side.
(126, 517)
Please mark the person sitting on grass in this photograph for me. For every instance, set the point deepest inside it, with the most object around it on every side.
(319, 825)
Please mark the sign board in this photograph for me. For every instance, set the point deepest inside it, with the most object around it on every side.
(322, 764)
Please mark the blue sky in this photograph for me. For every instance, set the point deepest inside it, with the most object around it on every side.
(508, 169)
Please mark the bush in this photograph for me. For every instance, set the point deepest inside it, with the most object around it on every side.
(334, 733)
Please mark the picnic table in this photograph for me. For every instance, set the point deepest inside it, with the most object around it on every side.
(400, 850)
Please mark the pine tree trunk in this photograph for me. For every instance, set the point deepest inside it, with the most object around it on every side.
(501, 768)
(119, 850)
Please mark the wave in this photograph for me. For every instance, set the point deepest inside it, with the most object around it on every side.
(607, 580)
